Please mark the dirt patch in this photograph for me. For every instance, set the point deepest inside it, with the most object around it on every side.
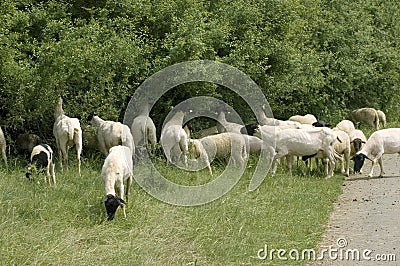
(366, 219)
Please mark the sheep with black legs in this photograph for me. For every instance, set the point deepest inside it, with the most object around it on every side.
(42, 158)
(3, 146)
(110, 134)
(68, 133)
(174, 139)
(117, 172)
(384, 141)
(368, 116)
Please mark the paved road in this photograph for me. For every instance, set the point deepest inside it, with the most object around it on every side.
(366, 219)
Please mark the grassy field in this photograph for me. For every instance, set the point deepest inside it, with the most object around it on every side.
(44, 225)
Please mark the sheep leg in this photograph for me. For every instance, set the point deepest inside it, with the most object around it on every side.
(3, 154)
(78, 156)
(52, 172)
(381, 166)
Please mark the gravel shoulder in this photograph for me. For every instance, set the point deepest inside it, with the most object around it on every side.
(366, 219)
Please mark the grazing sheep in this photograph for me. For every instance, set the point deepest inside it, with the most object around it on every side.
(384, 141)
(346, 126)
(368, 116)
(357, 139)
(306, 119)
(144, 131)
(110, 134)
(117, 172)
(67, 132)
(301, 142)
(249, 129)
(3, 147)
(174, 139)
(342, 148)
(42, 158)
(226, 145)
(382, 117)
(25, 143)
(196, 148)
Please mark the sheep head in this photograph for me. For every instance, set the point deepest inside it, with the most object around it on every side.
(112, 202)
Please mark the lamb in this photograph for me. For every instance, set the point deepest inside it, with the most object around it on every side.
(300, 142)
(306, 119)
(342, 148)
(117, 172)
(3, 147)
(110, 134)
(67, 132)
(346, 126)
(368, 116)
(357, 139)
(25, 143)
(174, 139)
(384, 141)
(43, 158)
(382, 117)
(226, 145)
(196, 148)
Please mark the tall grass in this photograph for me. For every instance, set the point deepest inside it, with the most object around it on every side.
(41, 224)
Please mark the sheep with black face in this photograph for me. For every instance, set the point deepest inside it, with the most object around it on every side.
(384, 141)
(117, 175)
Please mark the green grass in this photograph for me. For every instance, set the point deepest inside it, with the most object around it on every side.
(66, 224)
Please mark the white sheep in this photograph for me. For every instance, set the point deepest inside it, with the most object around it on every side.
(117, 172)
(174, 139)
(67, 132)
(357, 140)
(306, 119)
(342, 148)
(384, 141)
(226, 145)
(368, 116)
(196, 149)
(300, 142)
(382, 117)
(144, 131)
(346, 126)
(3, 147)
(42, 157)
(110, 134)
(225, 126)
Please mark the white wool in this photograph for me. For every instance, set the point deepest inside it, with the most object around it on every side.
(68, 133)
(306, 119)
(346, 126)
(3, 146)
(174, 139)
(144, 131)
(342, 148)
(110, 134)
(300, 142)
(384, 141)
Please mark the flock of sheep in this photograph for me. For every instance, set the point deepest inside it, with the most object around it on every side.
(299, 136)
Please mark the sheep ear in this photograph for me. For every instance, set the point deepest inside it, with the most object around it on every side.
(363, 142)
